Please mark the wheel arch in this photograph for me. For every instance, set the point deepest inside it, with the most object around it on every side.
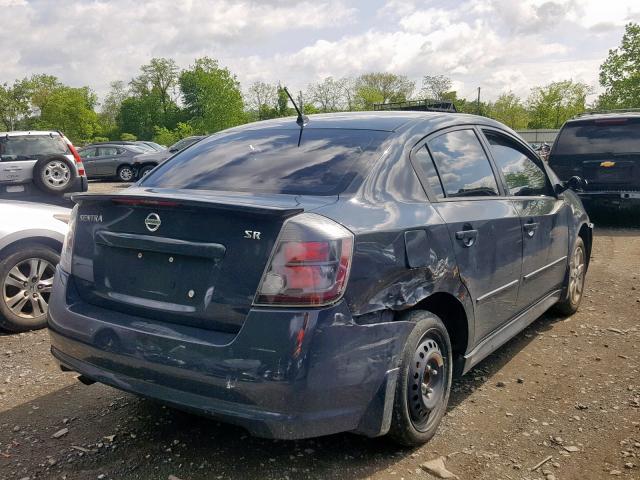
(47, 241)
(454, 316)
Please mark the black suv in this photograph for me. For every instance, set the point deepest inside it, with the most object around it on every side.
(604, 149)
(307, 281)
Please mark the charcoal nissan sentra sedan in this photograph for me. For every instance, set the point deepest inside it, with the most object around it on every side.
(302, 282)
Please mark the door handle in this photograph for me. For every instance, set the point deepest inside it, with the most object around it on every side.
(530, 228)
(468, 237)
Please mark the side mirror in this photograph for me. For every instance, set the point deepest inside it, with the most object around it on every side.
(577, 183)
(574, 183)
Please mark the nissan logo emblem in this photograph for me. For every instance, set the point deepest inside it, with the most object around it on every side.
(152, 222)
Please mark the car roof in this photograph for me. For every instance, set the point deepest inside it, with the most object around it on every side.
(109, 144)
(17, 133)
(388, 121)
(603, 116)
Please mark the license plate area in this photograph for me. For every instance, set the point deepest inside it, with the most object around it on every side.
(163, 277)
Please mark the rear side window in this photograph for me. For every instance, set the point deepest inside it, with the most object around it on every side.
(30, 147)
(89, 153)
(427, 170)
(522, 175)
(270, 160)
(463, 166)
(611, 135)
(109, 151)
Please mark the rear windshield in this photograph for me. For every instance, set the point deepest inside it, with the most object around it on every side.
(615, 135)
(270, 160)
(24, 147)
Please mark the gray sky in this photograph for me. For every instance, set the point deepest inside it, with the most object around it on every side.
(499, 45)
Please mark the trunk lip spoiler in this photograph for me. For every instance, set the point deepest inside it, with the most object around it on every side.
(182, 199)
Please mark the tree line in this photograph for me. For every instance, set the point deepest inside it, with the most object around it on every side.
(165, 103)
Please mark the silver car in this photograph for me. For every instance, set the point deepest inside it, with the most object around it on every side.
(42, 162)
(31, 237)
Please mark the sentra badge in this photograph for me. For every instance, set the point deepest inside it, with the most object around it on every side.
(91, 218)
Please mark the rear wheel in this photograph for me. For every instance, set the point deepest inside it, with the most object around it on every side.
(125, 173)
(54, 174)
(144, 171)
(574, 284)
(26, 279)
(424, 381)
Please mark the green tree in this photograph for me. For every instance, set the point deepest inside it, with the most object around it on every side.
(327, 95)
(510, 110)
(159, 77)
(212, 96)
(14, 103)
(70, 110)
(150, 102)
(111, 106)
(620, 72)
(128, 137)
(382, 87)
(283, 103)
(164, 136)
(261, 98)
(435, 87)
(550, 106)
(42, 86)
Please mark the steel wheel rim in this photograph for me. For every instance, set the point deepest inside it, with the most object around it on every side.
(126, 174)
(56, 173)
(576, 275)
(26, 289)
(427, 383)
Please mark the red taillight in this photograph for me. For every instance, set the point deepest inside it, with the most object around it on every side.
(76, 157)
(310, 264)
(307, 251)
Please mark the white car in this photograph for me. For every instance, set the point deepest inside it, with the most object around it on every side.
(39, 162)
(31, 237)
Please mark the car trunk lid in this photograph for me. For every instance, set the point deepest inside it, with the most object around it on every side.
(177, 256)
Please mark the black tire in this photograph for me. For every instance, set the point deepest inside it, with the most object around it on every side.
(574, 281)
(125, 173)
(33, 314)
(54, 175)
(422, 396)
(145, 170)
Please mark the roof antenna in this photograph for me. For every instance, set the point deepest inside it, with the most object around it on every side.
(302, 120)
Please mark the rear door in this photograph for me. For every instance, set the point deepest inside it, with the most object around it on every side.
(90, 159)
(109, 160)
(484, 226)
(543, 216)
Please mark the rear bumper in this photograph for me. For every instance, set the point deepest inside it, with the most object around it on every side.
(287, 373)
(611, 197)
(29, 192)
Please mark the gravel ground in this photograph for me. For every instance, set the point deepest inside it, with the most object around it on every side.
(566, 390)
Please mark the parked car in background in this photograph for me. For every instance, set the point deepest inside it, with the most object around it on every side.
(156, 147)
(604, 149)
(303, 282)
(111, 160)
(31, 237)
(147, 162)
(39, 164)
(141, 145)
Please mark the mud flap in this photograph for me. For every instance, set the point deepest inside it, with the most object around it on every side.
(377, 418)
